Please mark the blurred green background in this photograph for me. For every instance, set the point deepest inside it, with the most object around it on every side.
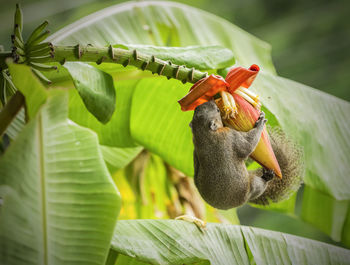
(310, 44)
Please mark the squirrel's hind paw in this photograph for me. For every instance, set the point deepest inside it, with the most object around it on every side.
(268, 174)
(192, 219)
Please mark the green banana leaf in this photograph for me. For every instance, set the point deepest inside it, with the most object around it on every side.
(59, 202)
(316, 120)
(95, 88)
(30, 87)
(180, 242)
(126, 24)
(158, 123)
(116, 132)
(164, 24)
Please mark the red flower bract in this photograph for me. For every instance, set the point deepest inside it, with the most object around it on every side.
(203, 91)
(240, 76)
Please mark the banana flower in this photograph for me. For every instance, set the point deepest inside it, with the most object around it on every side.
(239, 107)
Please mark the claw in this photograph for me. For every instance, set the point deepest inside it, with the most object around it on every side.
(229, 108)
(261, 119)
(268, 174)
(189, 218)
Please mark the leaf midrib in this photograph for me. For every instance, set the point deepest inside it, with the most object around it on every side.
(43, 186)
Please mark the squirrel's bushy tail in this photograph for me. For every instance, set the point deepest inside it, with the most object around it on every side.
(290, 158)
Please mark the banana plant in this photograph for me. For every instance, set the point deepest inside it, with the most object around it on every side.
(60, 203)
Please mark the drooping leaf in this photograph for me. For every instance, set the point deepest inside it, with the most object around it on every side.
(117, 131)
(95, 87)
(59, 202)
(179, 242)
(199, 57)
(30, 86)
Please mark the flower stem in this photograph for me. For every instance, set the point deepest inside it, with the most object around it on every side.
(98, 55)
(80, 53)
(124, 57)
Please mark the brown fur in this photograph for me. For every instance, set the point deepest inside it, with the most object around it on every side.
(220, 152)
(290, 158)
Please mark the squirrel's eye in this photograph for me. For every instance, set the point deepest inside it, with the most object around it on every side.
(218, 110)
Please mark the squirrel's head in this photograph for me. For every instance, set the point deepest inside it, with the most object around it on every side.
(207, 115)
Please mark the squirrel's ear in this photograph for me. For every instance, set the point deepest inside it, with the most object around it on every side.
(213, 126)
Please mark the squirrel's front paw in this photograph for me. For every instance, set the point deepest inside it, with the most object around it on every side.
(261, 120)
(268, 174)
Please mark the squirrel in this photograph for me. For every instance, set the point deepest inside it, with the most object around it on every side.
(220, 152)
